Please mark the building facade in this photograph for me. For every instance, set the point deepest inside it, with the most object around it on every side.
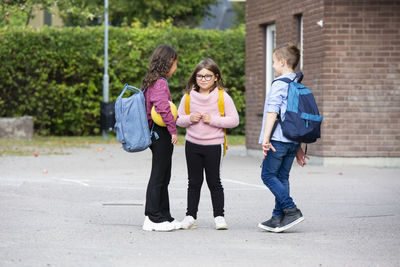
(43, 17)
(350, 61)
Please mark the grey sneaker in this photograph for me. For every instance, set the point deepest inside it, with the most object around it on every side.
(292, 217)
(271, 225)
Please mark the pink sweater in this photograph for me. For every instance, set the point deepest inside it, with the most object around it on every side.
(158, 96)
(202, 133)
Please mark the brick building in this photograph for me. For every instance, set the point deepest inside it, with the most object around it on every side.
(351, 62)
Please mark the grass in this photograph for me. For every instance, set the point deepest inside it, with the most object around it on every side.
(46, 145)
(49, 144)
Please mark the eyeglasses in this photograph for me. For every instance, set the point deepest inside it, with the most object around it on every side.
(206, 77)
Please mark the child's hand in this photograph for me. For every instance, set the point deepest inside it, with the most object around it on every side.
(206, 118)
(266, 146)
(301, 157)
(174, 138)
(195, 117)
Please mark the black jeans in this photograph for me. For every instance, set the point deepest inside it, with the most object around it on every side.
(157, 199)
(198, 159)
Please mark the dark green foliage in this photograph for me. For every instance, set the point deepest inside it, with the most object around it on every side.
(121, 12)
(56, 75)
(240, 12)
(187, 12)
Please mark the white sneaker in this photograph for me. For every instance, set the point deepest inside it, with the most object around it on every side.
(177, 225)
(220, 223)
(148, 225)
(188, 223)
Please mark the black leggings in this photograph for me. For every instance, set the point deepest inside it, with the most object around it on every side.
(157, 199)
(198, 159)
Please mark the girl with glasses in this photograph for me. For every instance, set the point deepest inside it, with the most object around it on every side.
(200, 113)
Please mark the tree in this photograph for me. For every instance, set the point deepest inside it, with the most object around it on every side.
(240, 12)
(121, 12)
(182, 12)
(19, 12)
(13, 12)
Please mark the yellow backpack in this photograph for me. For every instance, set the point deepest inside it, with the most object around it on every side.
(221, 107)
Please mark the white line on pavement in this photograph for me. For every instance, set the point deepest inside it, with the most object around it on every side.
(243, 183)
(75, 181)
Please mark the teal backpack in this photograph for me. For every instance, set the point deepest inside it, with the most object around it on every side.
(302, 119)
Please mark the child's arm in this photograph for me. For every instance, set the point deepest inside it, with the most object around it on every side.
(159, 97)
(301, 157)
(185, 120)
(231, 118)
(273, 104)
(269, 124)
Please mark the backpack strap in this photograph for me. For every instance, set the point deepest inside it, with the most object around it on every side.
(154, 133)
(187, 104)
(278, 119)
(288, 81)
(299, 77)
(131, 88)
(221, 107)
(134, 89)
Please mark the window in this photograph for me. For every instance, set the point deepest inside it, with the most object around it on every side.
(270, 46)
(299, 19)
(47, 18)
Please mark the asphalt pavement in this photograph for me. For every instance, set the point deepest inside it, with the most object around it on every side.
(86, 208)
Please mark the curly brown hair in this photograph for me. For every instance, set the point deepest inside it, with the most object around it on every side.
(210, 65)
(160, 64)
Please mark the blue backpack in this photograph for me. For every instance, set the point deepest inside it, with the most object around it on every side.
(302, 120)
(131, 123)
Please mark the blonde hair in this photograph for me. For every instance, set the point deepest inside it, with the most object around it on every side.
(290, 52)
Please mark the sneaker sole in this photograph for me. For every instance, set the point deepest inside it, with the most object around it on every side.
(281, 229)
(222, 228)
(152, 229)
(193, 226)
(260, 225)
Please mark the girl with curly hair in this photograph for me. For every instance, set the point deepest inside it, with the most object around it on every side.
(163, 64)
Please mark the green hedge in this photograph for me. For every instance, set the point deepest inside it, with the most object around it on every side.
(55, 75)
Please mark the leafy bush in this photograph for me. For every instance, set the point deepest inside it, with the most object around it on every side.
(56, 75)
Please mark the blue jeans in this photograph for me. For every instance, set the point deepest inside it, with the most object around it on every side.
(275, 174)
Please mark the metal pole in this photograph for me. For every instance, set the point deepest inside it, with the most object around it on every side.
(105, 76)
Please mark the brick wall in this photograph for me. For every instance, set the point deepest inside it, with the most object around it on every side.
(351, 64)
(361, 79)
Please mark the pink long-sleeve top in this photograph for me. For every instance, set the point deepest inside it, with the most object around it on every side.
(202, 133)
(158, 96)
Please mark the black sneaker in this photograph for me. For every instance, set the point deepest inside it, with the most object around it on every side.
(292, 217)
(270, 225)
